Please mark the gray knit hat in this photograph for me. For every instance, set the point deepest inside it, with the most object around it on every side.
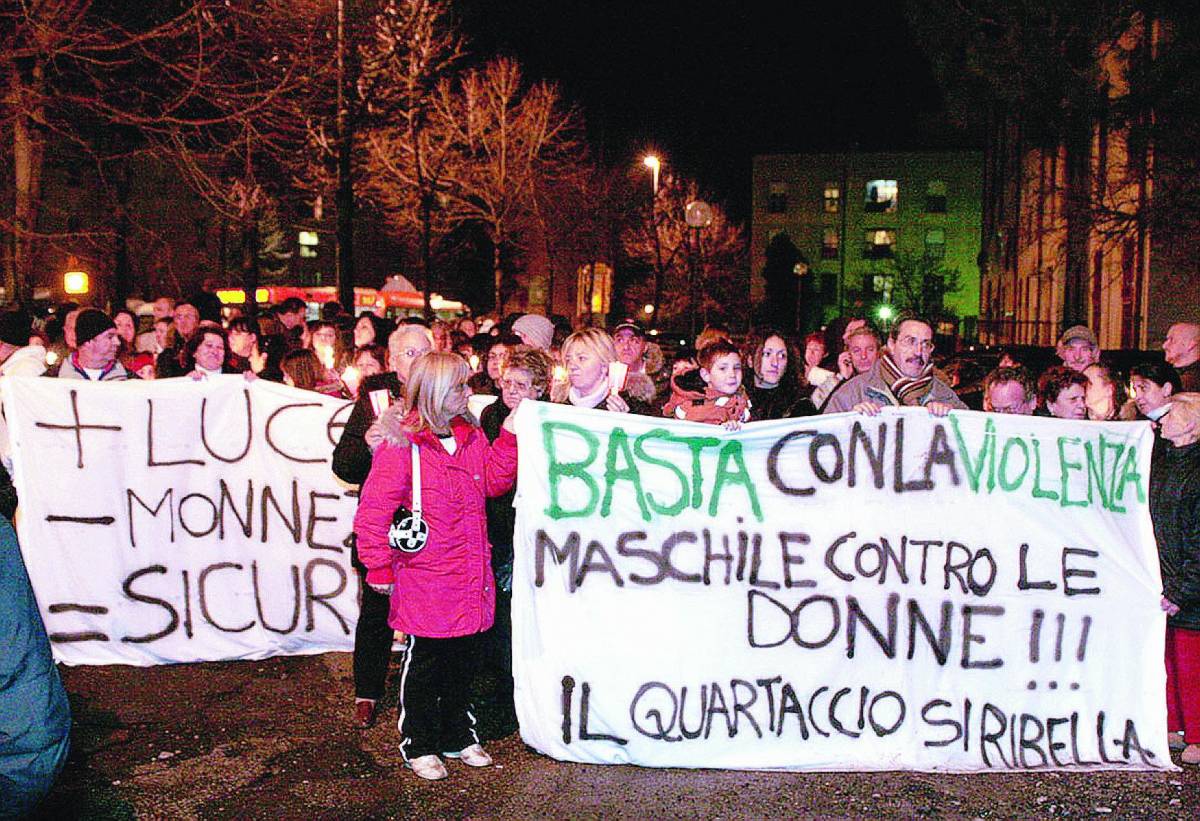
(536, 330)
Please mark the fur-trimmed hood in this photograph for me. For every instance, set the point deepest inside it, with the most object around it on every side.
(639, 386)
(399, 427)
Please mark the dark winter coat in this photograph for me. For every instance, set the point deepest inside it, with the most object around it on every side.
(776, 402)
(352, 457)
(1175, 511)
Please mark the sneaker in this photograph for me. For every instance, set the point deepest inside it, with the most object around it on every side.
(364, 713)
(1175, 742)
(473, 756)
(429, 767)
(1190, 754)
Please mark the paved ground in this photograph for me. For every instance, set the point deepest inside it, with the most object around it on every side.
(271, 739)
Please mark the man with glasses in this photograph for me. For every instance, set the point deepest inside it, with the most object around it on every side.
(1010, 390)
(351, 464)
(901, 376)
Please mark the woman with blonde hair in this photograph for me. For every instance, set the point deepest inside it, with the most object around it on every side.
(435, 466)
(586, 356)
(1175, 512)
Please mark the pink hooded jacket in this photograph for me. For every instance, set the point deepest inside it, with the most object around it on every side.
(446, 589)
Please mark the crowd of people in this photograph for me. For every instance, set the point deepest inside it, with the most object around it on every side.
(430, 437)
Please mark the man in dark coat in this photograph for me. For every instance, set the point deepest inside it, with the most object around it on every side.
(1175, 512)
(351, 464)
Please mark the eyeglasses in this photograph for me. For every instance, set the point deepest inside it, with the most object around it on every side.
(913, 342)
(514, 385)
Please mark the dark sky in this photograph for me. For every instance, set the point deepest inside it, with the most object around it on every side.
(710, 85)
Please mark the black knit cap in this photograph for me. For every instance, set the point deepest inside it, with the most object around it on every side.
(15, 327)
(89, 324)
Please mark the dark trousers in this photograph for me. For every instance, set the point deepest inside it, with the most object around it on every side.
(435, 703)
(497, 664)
(372, 642)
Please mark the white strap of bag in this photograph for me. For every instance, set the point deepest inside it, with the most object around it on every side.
(416, 481)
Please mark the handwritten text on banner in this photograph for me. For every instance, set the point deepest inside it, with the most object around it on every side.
(899, 592)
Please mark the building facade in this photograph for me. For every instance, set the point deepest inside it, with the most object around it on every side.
(1069, 219)
(852, 215)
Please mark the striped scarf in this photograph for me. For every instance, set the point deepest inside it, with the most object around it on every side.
(907, 389)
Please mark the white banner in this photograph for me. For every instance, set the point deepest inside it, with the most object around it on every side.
(901, 592)
(177, 520)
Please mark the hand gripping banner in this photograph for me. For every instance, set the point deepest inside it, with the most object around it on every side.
(979, 592)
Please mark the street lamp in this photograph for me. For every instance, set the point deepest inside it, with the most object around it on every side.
(76, 280)
(698, 215)
(653, 163)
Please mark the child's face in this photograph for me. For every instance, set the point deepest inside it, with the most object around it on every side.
(725, 375)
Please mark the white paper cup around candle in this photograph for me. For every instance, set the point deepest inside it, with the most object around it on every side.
(616, 376)
(380, 399)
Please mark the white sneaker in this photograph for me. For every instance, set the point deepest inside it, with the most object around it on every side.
(429, 767)
(473, 756)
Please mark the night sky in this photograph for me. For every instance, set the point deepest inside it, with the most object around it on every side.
(710, 85)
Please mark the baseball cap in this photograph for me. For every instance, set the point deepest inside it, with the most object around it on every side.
(630, 325)
(1078, 333)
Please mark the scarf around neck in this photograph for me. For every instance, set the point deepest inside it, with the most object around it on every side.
(908, 390)
(590, 400)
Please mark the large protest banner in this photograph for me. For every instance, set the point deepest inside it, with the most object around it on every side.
(979, 592)
(177, 520)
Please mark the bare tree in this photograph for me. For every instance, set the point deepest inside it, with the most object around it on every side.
(410, 154)
(703, 273)
(65, 67)
(238, 143)
(511, 135)
(918, 283)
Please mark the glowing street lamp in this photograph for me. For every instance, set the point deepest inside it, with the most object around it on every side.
(76, 282)
(654, 164)
(648, 309)
(885, 313)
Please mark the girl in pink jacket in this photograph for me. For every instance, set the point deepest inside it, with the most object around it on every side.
(442, 596)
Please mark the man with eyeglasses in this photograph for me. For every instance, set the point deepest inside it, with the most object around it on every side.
(901, 376)
(351, 464)
(1010, 390)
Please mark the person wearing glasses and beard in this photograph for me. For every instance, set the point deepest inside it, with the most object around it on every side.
(373, 636)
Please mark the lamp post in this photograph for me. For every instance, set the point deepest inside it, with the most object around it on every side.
(654, 164)
(698, 215)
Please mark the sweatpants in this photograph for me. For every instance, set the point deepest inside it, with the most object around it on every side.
(1183, 683)
(435, 701)
(372, 642)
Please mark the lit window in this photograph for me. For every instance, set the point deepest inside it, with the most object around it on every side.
(777, 199)
(881, 196)
(833, 197)
(308, 252)
(309, 238)
(935, 197)
(829, 243)
(879, 243)
(935, 243)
